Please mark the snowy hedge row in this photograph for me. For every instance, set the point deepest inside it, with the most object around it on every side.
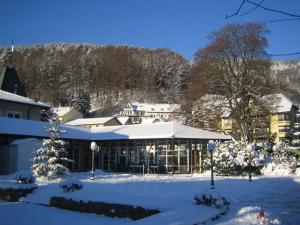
(240, 158)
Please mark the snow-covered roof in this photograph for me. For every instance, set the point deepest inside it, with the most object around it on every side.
(122, 119)
(153, 120)
(140, 131)
(61, 111)
(280, 103)
(87, 121)
(23, 140)
(7, 96)
(35, 128)
(136, 106)
(154, 131)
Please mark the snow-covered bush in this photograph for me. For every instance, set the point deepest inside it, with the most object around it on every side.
(25, 177)
(234, 158)
(50, 158)
(281, 162)
(71, 185)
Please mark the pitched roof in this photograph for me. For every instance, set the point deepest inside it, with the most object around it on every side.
(10, 97)
(282, 104)
(61, 111)
(140, 131)
(35, 128)
(87, 121)
(154, 131)
(10, 81)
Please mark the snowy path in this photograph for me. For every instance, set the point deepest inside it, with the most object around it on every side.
(173, 195)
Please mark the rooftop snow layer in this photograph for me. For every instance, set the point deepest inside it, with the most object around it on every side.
(140, 131)
(282, 104)
(35, 128)
(86, 121)
(154, 131)
(7, 96)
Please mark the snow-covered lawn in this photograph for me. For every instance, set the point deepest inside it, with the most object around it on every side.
(171, 194)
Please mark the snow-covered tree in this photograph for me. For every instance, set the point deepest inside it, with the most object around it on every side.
(282, 156)
(234, 158)
(81, 101)
(50, 158)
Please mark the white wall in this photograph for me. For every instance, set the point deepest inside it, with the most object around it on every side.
(18, 155)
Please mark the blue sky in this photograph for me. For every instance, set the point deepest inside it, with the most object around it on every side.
(180, 25)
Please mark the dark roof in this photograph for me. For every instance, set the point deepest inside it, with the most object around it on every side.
(10, 81)
(10, 97)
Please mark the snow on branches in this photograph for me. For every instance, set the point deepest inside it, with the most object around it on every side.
(281, 162)
(50, 159)
(234, 158)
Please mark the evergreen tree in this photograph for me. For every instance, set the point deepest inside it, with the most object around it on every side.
(50, 158)
(81, 101)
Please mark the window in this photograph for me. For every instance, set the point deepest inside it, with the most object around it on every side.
(284, 128)
(14, 114)
(283, 117)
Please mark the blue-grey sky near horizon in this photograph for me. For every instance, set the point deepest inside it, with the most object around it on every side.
(180, 25)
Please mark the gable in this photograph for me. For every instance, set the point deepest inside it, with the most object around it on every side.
(10, 81)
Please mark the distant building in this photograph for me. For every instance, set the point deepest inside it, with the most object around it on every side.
(95, 122)
(140, 111)
(66, 114)
(282, 117)
(19, 107)
(279, 122)
(10, 81)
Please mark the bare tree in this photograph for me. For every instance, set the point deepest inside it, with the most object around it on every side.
(236, 66)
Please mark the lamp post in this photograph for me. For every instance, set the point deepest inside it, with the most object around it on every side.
(148, 150)
(248, 160)
(211, 147)
(94, 148)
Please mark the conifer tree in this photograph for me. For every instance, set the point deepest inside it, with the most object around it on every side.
(50, 158)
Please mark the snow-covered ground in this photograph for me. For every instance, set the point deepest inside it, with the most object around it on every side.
(171, 194)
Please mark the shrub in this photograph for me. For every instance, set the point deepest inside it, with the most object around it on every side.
(71, 185)
(234, 159)
(212, 199)
(25, 177)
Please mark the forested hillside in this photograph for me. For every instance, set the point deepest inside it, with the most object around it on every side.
(110, 74)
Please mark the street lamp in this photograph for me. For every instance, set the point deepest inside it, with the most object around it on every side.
(211, 147)
(94, 148)
(148, 150)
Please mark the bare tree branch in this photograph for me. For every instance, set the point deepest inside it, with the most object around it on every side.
(237, 12)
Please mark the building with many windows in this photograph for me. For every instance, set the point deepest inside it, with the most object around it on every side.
(140, 111)
(279, 122)
(156, 147)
